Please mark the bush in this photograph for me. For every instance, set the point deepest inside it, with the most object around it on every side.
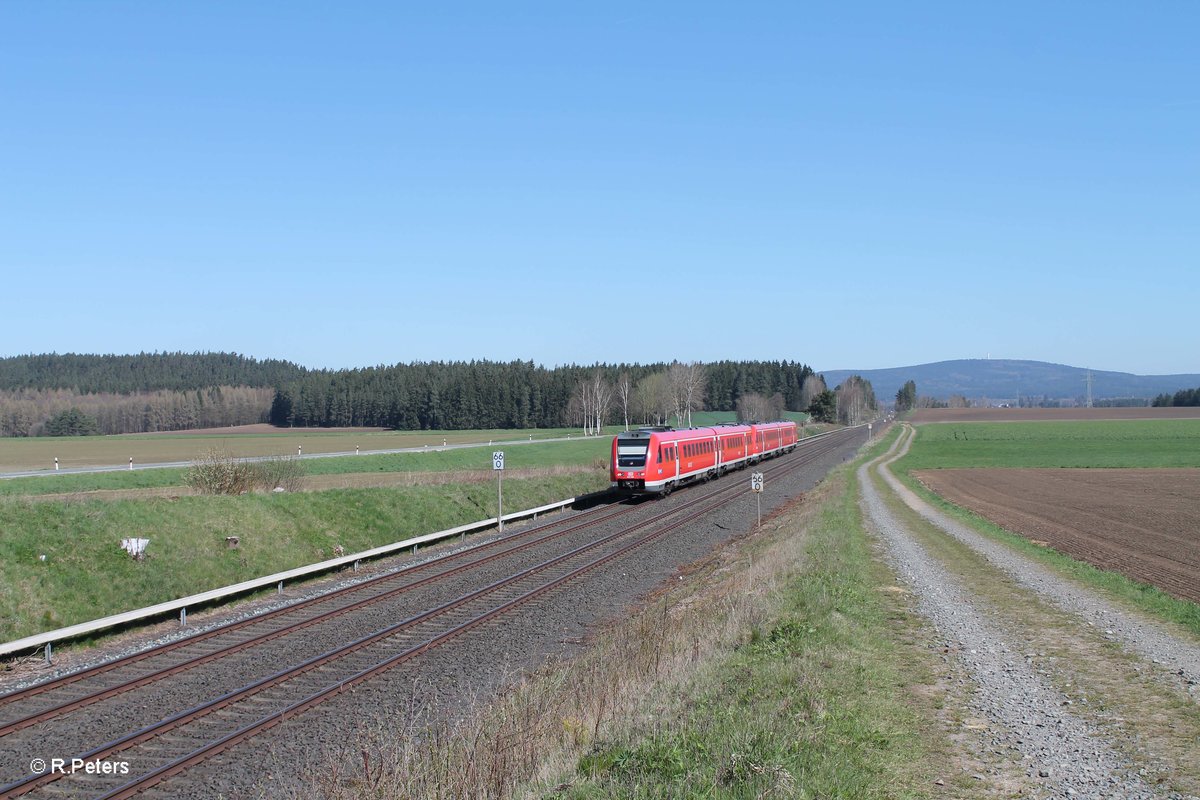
(218, 472)
(283, 472)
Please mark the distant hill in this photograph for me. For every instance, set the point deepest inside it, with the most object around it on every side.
(1002, 379)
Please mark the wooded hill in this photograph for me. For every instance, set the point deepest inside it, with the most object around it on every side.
(176, 391)
(1010, 380)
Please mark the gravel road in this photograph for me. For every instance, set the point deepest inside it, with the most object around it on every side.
(1029, 721)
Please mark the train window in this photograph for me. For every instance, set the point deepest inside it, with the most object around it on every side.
(632, 452)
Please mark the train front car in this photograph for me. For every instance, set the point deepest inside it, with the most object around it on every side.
(629, 452)
(659, 460)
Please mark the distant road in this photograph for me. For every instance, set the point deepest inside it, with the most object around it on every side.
(42, 473)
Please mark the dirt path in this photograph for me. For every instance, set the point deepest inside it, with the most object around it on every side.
(1022, 643)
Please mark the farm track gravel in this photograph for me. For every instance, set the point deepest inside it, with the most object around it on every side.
(1062, 754)
(447, 678)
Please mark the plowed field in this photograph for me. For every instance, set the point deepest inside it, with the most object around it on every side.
(1143, 523)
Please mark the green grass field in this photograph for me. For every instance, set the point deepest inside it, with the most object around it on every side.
(539, 454)
(1123, 443)
(86, 574)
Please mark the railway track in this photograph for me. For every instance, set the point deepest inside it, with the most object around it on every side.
(174, 743)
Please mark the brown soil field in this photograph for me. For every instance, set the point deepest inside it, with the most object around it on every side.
(927, 415)
(1143, 523)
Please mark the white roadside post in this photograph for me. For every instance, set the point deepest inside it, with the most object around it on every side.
(756, 486)
(131, 462)
(868, 431)
(56, 463)
(498, 467)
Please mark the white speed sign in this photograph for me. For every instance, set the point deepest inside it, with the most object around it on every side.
(756, 481)
(498, 459)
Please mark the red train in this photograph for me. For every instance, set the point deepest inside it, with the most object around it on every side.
(659, 459)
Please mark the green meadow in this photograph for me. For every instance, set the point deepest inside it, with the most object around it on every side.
(86, 575)
(538, 454)
(1109, 443)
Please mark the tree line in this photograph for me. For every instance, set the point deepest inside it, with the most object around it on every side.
(66, 412)
(519, 394)
(1184, 397)
(144, 372)
(167, 391)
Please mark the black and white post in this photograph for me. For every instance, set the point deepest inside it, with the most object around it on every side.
(756, 486)
(498, 466)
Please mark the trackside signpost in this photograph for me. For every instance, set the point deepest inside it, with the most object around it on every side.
(756, 486)
(498, 466)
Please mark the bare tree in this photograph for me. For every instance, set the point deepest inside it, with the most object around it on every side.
(624, 390)
(757, 408)
(687, 383)
(652, 398)
(855, 400)
(602, 395)
(694, 388)
(813, 386)
(590, 402)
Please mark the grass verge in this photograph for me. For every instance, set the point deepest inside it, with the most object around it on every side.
(85, 574)
(785, 667)
(546, 454)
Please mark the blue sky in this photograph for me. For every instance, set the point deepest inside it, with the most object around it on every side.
(852, 186)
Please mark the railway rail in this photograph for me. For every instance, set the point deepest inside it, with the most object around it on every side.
(176, 742)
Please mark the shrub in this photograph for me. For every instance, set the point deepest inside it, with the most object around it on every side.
(219, 472)
(284, 472)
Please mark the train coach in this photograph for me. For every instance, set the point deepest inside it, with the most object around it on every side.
(657, 460)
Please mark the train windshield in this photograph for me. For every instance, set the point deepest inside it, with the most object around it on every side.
(632, 452)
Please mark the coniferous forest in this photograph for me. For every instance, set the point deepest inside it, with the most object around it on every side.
(177, 391)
